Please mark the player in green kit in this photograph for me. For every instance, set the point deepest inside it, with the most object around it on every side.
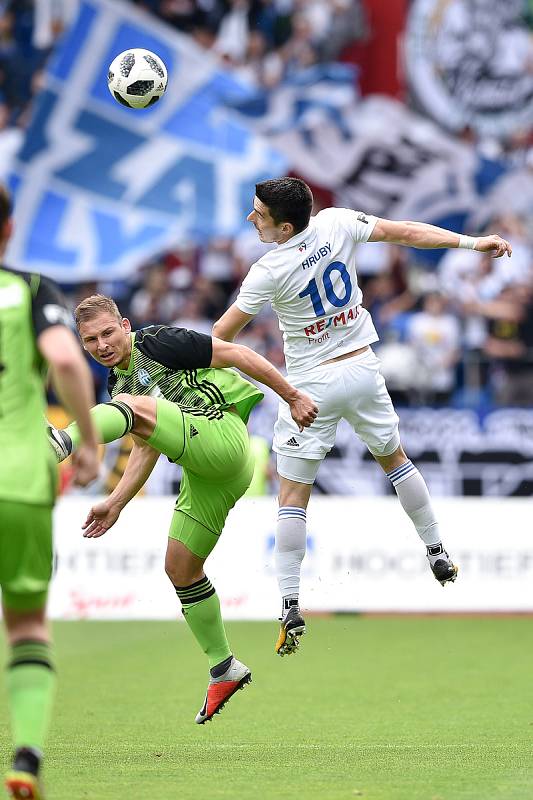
(172, 391)
(33, 332)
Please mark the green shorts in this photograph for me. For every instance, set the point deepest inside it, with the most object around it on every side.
(25, 554)
(214, 450)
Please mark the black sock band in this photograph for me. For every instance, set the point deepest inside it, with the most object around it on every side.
(30, 651)
(126, 411)
(196, 592)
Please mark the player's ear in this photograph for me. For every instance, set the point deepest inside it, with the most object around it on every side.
(126, 324)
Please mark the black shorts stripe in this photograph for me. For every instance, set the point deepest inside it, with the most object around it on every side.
(204, 387)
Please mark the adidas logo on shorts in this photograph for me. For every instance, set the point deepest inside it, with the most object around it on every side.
(292, 442)
(192, 431)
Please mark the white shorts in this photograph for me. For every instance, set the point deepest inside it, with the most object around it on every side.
(352, 389)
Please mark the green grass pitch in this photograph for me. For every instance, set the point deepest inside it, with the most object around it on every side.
(377, 708)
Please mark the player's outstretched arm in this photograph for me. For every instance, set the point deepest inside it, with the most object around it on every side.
(227, 354)
(103, 516)
(231, 323)
(428, 237)
(73, 383)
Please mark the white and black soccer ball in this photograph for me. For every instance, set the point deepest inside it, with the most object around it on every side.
(137, 78)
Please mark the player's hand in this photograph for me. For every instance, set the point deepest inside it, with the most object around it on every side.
(303, 410)
(100, 518)
(85, 464)
(494, 245)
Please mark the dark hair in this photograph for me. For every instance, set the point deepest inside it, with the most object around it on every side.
(288, 200)
(6, 207)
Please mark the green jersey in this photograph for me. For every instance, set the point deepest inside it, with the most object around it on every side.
(29, 304)
(174, 363)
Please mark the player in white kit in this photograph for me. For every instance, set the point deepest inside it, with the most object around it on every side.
(310, 280)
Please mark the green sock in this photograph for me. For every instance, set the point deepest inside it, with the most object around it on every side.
(30, 688)
(111, 420)
(201, 609)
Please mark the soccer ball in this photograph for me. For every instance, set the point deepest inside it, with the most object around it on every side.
(137, 78)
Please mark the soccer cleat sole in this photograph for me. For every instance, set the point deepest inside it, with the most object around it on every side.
(23, 786)
(240, 685)
(289, 641)
(450, 578)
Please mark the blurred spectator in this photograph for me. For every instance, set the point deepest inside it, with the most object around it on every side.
(216, 264)
(468, 278)
(232, 38)
(435, 336)
(154, 303)
(192, 315)
(51, 17)
(509, 345)
(399, 368)
(334, 24)
(387, 296)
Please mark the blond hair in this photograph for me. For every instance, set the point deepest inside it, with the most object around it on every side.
(94, 305)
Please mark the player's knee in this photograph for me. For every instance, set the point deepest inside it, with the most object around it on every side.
(142, 407)
(174, 569)
(181, 565)
(391, 460)
(180, 574)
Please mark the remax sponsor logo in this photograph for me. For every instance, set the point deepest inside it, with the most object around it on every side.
(336, 321)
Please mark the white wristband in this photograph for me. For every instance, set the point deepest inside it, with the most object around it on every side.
(467, 242)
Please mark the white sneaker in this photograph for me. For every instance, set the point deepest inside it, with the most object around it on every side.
(222, 688)
(60, 441)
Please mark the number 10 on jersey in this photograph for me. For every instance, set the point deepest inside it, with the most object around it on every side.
(312, 289)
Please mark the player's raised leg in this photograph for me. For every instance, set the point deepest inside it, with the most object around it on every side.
(111, 420)
(414, 496)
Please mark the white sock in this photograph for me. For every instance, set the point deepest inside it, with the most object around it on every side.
(416, 502)
(289, 551)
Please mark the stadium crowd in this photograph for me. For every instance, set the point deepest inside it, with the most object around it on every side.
(459, 334)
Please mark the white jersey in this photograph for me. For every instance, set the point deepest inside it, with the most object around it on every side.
(311, 283)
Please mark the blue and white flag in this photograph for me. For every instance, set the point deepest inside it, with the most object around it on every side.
(101, 188)
(304, 99)
(376, 155)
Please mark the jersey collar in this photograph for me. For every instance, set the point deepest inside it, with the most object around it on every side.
(131, 365)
